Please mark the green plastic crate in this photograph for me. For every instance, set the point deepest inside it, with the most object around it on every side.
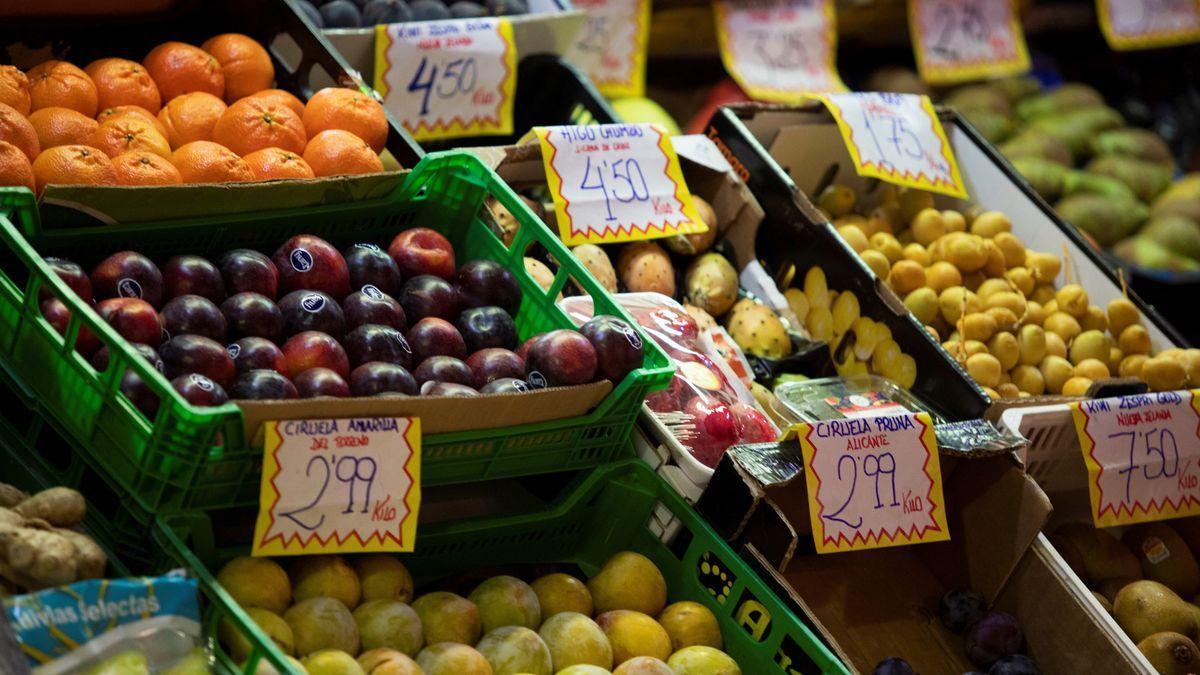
(620, 506)
(190, 458)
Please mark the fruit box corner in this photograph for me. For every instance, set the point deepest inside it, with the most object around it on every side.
(882, 602)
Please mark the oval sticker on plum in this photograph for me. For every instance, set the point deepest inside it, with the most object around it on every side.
(129, 288)
(234, 349)
(313, 302)
(372, 292)
(302, 260)
(536, 380)
(202, 382)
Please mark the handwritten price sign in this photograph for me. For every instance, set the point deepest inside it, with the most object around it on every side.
(779, 50)
(873, 482)
(1142, 454)
(958, 40)
(448, 79)
(616, 182)
(339, 486)
(1144, 24)
(897, 138)
(613, 44)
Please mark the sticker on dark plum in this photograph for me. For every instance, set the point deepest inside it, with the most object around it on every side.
(302, 260)
(630, 333)
(234, 349)
(129, 288)
(372, 292)
(313, 302)
(202, 382)
(537, 380)
(368, 246)
(158, 365)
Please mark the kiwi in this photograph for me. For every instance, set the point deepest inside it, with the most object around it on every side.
(1164, 557)
(1110, 587)
(1103, 601)
(1103, 556)
(1144, 608)
(1170, 653)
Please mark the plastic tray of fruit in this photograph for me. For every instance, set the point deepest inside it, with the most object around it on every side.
(188, 456)
(499, 578)
(154, 84)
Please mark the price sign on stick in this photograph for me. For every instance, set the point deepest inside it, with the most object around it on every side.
(777, 50)
(958, 40)
(1143, 24)
(612, 44)
(616, 182)
(339, 486)
(897, 138)
(873, 482)
(1142, 454)
(448, 79)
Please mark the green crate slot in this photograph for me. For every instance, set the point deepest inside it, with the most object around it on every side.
(187, 458)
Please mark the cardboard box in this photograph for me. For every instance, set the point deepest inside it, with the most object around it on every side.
(883, 602)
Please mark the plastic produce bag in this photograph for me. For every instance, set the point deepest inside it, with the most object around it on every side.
(707, 407)
(110, 626)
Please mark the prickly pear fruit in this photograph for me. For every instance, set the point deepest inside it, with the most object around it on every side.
(758, 331)
(711, 284)
(643, 266)
(695, 244)
(596, 261)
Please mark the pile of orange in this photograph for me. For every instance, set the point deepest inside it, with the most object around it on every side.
(185, 114)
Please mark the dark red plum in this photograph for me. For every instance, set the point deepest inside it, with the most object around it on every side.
(313, 349)
(250, 314)
(432, 336)
(370, 265)
(57, 314)
(374, 342)
(371, 305)
(185, 354)
(523, 350)
(422, 251)
(561, 358)
(378, 377)
(248, 271)
(487, 282)
(321, 382)
(495, 363)
(992, 637)
(134, 319)
(71, 273)
(443, 369)
(427, 295)
(256, 353)
(192, 275)
(128, 274)
(99, 360)
(618, 346)
(311, 310)
(263, 385)
(200, 390)
(308, 262)
(505, 385)
(195, 315)
(132, 385)
(959, 608)
(893, 666)
(1014, 664)
(486, 327)
(447, 389)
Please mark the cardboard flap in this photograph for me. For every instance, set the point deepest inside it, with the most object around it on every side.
(438, 414)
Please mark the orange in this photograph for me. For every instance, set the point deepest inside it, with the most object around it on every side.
(191, 117)
(73, 165)
(280, 96)
(61, 126)
(179, 68)
(17, 130)
(145, 168)
(255, 123)
(350, 110)
(14, 167)
(246, 65)
(336, 152)
(208, 162)
(14, 89)
(123, 134)
(58, 83)
(109, 113)
(276, 163)
(123, 82)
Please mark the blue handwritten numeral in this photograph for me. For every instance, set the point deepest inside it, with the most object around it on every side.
(628, 181)
(1154, 442)
(348, 469)
(457, 77)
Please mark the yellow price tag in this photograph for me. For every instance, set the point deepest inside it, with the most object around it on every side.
(957, 40)
(616, 182)
(448, 79)
(1142, 454)
(339, 486)
(613, 44)
(872, 482)
(778, 50)
(1145, 24)
(897, 138)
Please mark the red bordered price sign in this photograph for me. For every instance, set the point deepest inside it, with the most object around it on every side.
(779, 50)
(339, 486)
(1142, 454)
(1144, 24)
(873, 482)
(448, 79)
(612, 44)
(957, 40)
